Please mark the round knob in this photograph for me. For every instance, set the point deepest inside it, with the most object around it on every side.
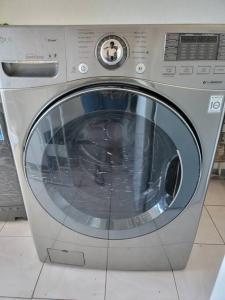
(111, 52)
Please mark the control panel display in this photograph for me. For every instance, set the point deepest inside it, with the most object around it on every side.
(194, 46)
(198, 39)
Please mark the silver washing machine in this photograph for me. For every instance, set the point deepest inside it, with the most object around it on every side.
(113, 131)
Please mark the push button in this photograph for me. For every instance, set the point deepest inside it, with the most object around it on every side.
(83, 68)
(186, 70)
(219, 70)
(203, 70)
(140, 68)
(169, 70)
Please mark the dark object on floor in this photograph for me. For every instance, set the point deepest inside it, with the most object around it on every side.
(11, 201)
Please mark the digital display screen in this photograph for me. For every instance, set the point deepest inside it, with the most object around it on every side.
(193, 46)
(199, 39)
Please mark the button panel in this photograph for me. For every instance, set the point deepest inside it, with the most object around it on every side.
(145, 54)
(186, 70)
(171, 48)
(169, 70)
(203, 69)
(219, 70)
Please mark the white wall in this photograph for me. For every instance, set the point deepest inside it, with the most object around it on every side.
(57, 12)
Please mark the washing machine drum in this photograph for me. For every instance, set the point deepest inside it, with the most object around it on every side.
(112, 162)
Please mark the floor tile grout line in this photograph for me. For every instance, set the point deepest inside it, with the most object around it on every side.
(174, 278)
(215, 226)
(106, 268)
(15, 297)
(222, 244)
(15, 236)
(32, 295)
(223, 205)
(35, 298)
(106, 277)
(49, 298)
(3, 225)
(106, 272)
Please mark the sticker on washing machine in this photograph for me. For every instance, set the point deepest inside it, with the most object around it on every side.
(215, 103)
(1, 134)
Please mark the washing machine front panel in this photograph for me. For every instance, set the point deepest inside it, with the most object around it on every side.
(112, 162)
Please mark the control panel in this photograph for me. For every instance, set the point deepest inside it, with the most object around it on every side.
(186, 56)
(194, 46)
(195, 70)
(108, 51)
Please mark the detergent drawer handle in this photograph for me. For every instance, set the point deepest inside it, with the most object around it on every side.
(30, 68)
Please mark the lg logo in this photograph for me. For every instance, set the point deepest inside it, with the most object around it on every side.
(212, 82)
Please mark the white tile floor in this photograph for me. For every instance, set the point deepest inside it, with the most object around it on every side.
(23, 276)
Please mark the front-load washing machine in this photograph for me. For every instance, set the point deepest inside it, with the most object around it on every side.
(113, 131)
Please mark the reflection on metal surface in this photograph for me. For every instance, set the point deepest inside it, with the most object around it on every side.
(112, 168)
(111, 51)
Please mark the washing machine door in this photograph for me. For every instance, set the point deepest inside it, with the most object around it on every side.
(112, 162)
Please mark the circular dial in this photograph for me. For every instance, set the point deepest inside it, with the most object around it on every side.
(111, 52)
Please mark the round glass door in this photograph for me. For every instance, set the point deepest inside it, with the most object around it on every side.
(112, 162)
